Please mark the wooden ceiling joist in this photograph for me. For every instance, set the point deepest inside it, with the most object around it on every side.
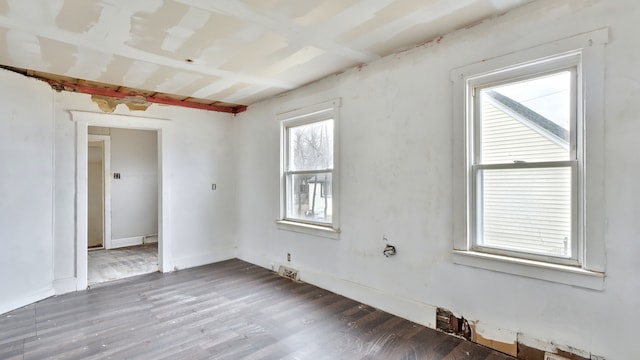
(64, 83)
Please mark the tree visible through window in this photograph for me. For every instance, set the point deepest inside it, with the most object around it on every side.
(309, 171)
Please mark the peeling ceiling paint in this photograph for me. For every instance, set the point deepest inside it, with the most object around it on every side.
(236, 52)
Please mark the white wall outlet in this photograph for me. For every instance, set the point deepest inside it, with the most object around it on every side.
(214, 186)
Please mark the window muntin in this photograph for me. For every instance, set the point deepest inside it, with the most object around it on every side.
(524, 162)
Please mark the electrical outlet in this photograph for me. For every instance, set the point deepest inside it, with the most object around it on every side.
(288, 257)
(214, 186)
(550, 356)
(116, 176)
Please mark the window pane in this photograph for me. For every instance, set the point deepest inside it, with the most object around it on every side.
(311, 146)
(309, 197)
(527, 210)
(526, 121)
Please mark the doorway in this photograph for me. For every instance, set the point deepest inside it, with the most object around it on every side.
(130, 168)
(160, 127)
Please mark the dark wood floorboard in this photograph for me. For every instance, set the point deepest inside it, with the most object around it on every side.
(229, 310)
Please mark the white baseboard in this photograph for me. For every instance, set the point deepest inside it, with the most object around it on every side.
(149, 239)
(130, 241)
(421, 313)
(205, 259)
(67, 285)
(6, 306)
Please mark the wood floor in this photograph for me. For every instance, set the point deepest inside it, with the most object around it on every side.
(108, 265)
(229, 310)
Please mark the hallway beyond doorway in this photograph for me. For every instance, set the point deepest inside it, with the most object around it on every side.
(113, 264)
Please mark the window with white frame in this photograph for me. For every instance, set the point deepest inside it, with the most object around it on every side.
(524, 158)
(521, 137)
(308, 167)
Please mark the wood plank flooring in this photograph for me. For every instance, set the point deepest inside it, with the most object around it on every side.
(229, 310)
(108, 265)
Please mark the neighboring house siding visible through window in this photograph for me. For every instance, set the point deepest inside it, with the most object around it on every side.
(528, 165)
(539, 222)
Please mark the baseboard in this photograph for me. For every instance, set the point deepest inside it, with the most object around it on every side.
(421, 313)
(150, 239)
(67, 285)
(215, 256)
(130, 241)
(13, 304)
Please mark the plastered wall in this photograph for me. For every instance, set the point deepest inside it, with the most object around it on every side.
(198, 153)
(396, 180)
(26, 191)
(37, 188)
(134, 197)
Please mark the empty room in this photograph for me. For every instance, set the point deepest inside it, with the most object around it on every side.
(294, 179)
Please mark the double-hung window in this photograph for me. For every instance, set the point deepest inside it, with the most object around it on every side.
(521, 124)
(308, 169)
(523, 165)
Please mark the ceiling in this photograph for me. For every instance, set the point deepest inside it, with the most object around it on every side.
(223, 53)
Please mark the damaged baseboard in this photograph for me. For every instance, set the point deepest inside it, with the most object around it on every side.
(509, 342)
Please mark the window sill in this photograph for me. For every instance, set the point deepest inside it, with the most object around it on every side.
(309, 229)
(534, 269)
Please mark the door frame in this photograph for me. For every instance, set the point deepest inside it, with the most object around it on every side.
(106, 186)
(163, 127)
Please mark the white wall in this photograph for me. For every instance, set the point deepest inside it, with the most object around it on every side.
(95, 196)
(134, 197)
(396, 180)
(26, 191)
(198, 152)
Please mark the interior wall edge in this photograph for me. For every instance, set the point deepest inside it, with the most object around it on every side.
(25, 300)
(66, 285)
(216, 255)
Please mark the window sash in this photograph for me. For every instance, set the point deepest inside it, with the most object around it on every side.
(304, 116)
(478, 217)
(289, 197)
(567, 62)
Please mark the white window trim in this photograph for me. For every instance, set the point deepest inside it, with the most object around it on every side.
(591, 272)
(326, 110)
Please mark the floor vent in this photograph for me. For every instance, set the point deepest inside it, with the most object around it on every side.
(288, 273)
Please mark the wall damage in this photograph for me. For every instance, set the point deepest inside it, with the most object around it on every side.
(521, 346)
